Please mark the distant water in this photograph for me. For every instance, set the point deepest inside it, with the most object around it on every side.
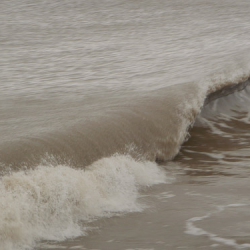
(101, 100)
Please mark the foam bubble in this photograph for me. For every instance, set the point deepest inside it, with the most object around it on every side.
(53, 202)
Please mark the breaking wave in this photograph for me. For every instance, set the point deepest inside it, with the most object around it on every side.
(55, 202)
(52, 185)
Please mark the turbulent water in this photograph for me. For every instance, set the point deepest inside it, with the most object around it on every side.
(102, 100)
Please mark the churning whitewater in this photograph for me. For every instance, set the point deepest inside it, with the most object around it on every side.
(100, 100)
(52, 202)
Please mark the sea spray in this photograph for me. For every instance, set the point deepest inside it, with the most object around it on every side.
(56, 202)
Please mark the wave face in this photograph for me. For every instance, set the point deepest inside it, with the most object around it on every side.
(94, 95)
(153, 128)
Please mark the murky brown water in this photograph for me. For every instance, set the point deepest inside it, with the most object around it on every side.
(97, 99)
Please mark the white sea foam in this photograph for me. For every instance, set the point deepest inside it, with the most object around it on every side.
(55, 202)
